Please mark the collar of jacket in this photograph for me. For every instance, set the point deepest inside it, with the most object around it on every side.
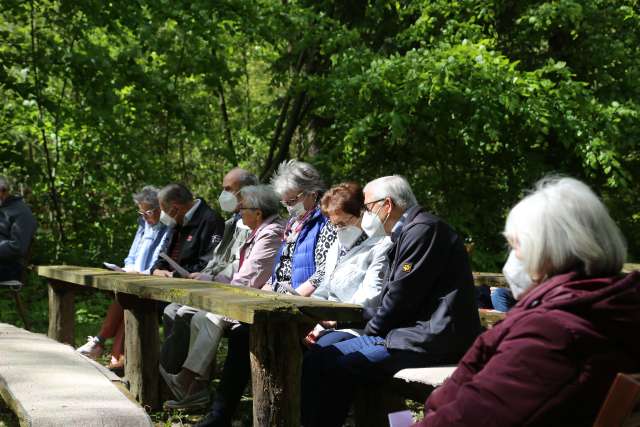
(197, 214)
(269, 220)
(408, 218)
(11, 200)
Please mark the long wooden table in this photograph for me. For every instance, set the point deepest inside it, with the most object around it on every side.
(274, 339)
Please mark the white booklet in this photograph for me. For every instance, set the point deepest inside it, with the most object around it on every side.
(113, 267)
(400, 419)
(179, 270)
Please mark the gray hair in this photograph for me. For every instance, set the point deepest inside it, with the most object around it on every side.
(175, 193)
(395, 187)
(261, 197)
(5, 184)
(563, 225)
(296, 175)
(245, 177)
(148, 195)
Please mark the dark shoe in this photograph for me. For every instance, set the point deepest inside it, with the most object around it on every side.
(213, 419)
(173, 384)
(193, 402)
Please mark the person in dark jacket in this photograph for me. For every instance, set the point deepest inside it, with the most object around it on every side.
(553, 358)
(427, 314)
(193, 228)
(17, 228)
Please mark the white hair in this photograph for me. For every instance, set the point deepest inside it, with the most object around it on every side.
(261, 197)
(395, 187)
(299, 176)
(148, 195)
(562, 226)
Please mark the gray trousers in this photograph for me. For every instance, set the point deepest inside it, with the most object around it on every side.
(206, 332)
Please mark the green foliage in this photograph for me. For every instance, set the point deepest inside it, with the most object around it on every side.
(472, 100)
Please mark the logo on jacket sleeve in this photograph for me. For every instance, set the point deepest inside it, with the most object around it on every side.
(406, 267)
(189, 238)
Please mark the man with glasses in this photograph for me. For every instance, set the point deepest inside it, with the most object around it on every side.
(427, 313)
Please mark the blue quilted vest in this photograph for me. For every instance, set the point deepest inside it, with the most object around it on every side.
(303, 258)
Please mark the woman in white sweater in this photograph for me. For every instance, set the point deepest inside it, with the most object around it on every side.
(356, 264)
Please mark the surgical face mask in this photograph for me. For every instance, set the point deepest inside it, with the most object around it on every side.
(297, 210)
(228, 201)
(517, 278)
(167, 220)
(372, 224)
(348, 235)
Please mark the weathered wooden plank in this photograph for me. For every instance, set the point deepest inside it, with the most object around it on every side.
(489, 279)
(61, 312)
(488, 318)
(237, 302)
(276, 367)
(629, 267)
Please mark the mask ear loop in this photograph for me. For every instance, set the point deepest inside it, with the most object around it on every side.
(388, 214)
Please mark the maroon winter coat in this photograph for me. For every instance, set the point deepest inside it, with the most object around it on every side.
(550, 362)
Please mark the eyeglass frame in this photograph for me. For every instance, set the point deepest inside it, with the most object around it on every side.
(149, 212)
(366, 205)
(292, 201)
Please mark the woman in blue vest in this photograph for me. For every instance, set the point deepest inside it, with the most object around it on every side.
(308, 235)
(299, 268)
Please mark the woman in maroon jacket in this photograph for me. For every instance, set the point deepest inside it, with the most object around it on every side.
(553, 358)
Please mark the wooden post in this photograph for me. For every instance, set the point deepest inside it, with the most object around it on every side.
(61, 312)
(141, 349)
(276, 367)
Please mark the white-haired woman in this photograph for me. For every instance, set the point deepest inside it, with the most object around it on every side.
(553, 358)
(259, 206)
(308, 234)
(142, 255)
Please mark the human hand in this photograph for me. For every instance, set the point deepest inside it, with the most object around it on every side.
(163, 273)
(201, 276)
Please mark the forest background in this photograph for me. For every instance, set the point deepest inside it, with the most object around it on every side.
(471, 100)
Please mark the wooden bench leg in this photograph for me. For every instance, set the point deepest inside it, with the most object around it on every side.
(276, 367)
(21, 310)
(61, 312)
(141, 349)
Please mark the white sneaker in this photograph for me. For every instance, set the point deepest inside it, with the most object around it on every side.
(93, 348)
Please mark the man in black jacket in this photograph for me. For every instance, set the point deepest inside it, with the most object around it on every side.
(194, 227)
(17, 227)
(427, 313)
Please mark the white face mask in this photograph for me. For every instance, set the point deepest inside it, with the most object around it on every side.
(228, 201)
(348, 235)
(297, 210)
(517, 278)
(167, 220)
(372, 224)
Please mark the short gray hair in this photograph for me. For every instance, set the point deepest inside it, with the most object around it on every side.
(245, 177)
(261, 197)
(562, 226)
(296, 175)
(5, 183)
(175, 193)
(395, 187)
(148, 195)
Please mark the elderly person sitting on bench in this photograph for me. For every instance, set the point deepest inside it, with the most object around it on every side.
(259, 207)
(553, 358)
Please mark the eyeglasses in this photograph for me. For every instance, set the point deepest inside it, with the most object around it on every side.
(147, 213)
(367, 205)
(291, 202)
(341, 225)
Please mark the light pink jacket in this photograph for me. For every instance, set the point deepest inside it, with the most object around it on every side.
(261, 249)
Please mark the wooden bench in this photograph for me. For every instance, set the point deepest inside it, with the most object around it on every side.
(621, 408)
(48, 384)
(275, 335)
